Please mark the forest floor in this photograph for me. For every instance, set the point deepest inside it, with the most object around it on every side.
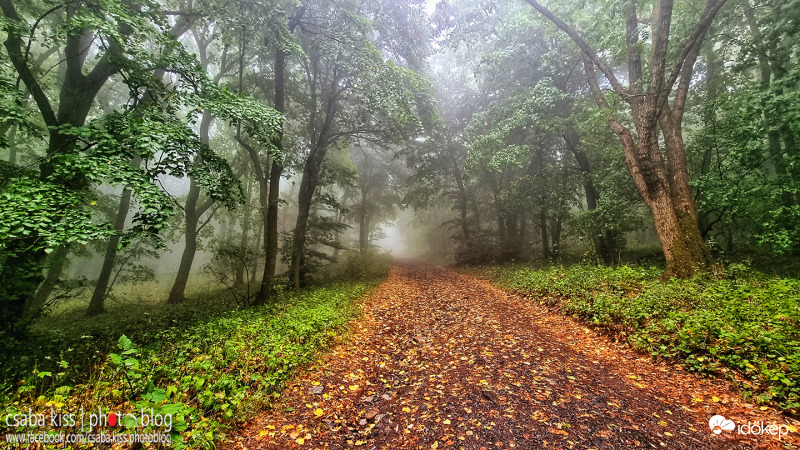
(441, 359)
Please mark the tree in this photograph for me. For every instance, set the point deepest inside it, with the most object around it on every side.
(198, 211)
(663, 183)
(379, 184)
(352, 93)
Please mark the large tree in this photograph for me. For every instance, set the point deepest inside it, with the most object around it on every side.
(657, 105)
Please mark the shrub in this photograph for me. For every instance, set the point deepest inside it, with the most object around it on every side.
(354, 265)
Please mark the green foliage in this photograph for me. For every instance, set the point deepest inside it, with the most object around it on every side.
(210, 375)
(134, 146)
(353, 265)
(228, 258)
(13, 110)
(742, 205)
(743, 325)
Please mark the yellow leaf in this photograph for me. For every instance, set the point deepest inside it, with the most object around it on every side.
(354, 387)
(668, 433)
(435, 445)
(406, 409)
(446, 422)
(715, 399)
(300, 441)
(318, 412)
(263, 433)
(764, 408)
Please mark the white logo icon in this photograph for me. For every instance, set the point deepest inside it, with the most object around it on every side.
(719, 423)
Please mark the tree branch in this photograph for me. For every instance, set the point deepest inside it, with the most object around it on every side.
(13, 45)
(585, 47)
(695, 38)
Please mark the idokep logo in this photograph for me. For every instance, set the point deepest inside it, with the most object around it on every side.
(718, 424)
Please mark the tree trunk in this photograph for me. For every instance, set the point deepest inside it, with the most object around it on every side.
(556, 236)
(273, 195)
(12, 149)
(96, 304)
(339, 218)
(307, 187)
(259, 248)
(368, 225)
(239, 281)
(543, 229)
(363, 223)
(603, 242)
(58, 261)
(463, 199)
(192, 214)
(187, 258)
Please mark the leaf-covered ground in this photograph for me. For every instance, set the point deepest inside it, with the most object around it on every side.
(445, 360)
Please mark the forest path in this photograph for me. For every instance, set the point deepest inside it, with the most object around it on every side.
(441, 359)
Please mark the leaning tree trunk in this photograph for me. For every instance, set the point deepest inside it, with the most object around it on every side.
(96, 304)
(58, 262)
(176, 294)
(192, 212)
(307, 187)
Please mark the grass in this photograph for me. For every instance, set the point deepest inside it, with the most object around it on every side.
(136, 310)
(205, 376)
(744, 326)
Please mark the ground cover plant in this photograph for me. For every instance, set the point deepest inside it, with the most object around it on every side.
(207, 376)
(742, 325)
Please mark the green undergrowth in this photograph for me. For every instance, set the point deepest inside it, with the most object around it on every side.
(205, 378)
(744, 325)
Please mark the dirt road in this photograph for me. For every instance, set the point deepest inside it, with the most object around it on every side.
(441, 360)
